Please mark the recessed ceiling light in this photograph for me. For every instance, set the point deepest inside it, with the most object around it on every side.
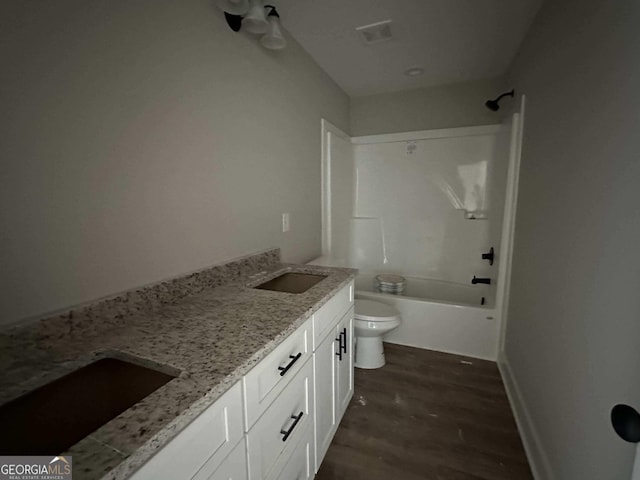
(414, 71)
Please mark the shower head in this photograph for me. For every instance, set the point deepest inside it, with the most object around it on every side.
(494, 105)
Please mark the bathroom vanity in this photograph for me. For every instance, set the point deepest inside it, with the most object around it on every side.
(259, 377)
(278, 421)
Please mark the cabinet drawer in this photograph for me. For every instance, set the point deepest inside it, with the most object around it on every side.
(298, 466)
(330, 313)
(202, 445)
(234, 467)
(269, 377)
(282, 426)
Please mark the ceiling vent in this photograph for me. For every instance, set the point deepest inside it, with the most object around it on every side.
(376, 32)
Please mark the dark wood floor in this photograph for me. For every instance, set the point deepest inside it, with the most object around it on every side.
(427, 415)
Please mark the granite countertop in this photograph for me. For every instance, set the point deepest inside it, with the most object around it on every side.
(211, 331)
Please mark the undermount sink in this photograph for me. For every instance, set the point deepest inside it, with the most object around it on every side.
(52, 418)
(292, 282)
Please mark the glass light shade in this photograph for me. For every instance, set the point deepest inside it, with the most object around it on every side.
(255, 21)
(234, 7)
(273, 39)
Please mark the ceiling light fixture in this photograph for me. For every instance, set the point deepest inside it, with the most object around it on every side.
(255, 17)
(273, 39)
(414, 71)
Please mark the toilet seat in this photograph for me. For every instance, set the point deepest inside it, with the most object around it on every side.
(372, 311)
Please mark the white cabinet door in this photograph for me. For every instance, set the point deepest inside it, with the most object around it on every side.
(344, 365)
(282, 426)
(202, 445)
(234, 467)
(324, 366)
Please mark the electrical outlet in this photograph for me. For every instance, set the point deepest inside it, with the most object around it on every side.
(285, 222)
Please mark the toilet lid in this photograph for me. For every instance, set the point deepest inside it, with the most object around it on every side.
(375, 311)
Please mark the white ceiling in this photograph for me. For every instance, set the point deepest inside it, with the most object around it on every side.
(453, 40)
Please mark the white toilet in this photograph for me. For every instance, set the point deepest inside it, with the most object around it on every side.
(372, 321)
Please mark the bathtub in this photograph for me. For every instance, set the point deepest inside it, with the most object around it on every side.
(436, 315)
(434, 290)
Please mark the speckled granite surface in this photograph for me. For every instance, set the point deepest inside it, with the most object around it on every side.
(211, 327)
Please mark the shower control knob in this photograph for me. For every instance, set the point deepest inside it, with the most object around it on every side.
(489, 256)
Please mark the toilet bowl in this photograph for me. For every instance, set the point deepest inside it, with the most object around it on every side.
(372, 320)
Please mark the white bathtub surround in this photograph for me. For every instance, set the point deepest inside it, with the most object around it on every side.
(426, 205)
(414, 194)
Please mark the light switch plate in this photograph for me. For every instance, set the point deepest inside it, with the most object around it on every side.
(285, 222)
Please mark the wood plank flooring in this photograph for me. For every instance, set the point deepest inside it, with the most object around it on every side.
(427, 415)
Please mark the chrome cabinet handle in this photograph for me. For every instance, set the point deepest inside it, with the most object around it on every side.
(294, 359)
(286, 433)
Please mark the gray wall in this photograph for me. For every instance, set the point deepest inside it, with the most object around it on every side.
(573, 337)
(144, 139)
(447, 106)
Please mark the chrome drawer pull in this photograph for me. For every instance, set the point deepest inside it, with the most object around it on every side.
(294, 359)
(286, 433)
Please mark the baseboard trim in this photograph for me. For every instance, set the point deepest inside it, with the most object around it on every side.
(538, 460)
(442, 350)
